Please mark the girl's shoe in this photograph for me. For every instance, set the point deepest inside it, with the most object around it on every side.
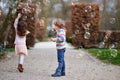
(20, 68)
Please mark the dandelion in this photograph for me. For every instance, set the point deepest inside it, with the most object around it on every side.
(114, 52)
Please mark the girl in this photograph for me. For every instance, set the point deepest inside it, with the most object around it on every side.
(60, 45)
(20, 41)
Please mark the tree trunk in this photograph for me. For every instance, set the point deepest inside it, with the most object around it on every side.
(63, 9)
(6, 23)
(104, 15)
(118, 13)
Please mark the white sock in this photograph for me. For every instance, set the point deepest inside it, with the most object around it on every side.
(21, 59)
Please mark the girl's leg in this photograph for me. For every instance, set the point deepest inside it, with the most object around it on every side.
(21, 61)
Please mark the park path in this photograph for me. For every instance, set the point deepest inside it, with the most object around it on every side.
(41, 63)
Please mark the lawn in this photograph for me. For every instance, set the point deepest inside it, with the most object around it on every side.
(106, 55)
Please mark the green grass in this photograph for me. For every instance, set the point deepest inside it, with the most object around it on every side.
(107, 55)
(11, 49)
(6, 51)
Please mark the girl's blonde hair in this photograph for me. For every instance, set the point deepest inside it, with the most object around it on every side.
(59, 23)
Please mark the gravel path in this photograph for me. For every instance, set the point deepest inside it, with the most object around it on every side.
(41, 63)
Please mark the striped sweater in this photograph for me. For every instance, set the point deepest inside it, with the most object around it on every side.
(60, 39)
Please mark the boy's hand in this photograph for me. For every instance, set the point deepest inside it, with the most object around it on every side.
(53, 39)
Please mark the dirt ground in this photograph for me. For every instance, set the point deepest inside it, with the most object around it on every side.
(42, 62)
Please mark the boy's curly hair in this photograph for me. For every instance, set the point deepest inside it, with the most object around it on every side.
(60, 23)
(21, 29)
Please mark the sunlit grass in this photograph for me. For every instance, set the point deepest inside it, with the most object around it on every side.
(106, 55)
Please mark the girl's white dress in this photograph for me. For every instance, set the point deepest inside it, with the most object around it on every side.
(20, 42)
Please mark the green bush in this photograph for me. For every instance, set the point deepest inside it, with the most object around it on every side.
(68, 39)
(4, 51)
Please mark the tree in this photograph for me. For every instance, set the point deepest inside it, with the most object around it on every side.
(8, 21)
(118, 13)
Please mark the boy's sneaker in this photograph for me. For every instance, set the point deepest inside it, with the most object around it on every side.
(57, 74)
(63, 74)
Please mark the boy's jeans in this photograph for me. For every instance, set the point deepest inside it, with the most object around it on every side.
(61, 62)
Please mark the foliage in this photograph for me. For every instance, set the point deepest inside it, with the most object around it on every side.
(107, 55)
(3, 52)
(68, 39)
(10, 50)
(8, 18)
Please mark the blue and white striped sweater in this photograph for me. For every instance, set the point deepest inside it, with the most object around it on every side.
(61, 39)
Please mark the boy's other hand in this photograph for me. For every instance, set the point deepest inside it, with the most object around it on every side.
(53, 39)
